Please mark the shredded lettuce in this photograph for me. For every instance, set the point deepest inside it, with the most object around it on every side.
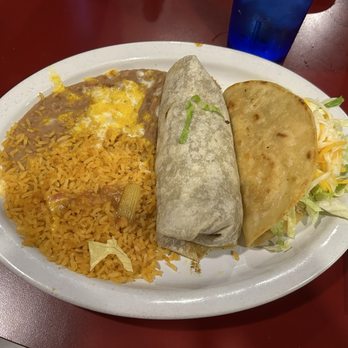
(334, 207)
(291, 222)
(283, 231)
(279, 228)
(278, 245)
(332, 102)
(99, 251)
(312, 209)
(319, 194)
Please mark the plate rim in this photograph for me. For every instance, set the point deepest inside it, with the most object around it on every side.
(158, 313)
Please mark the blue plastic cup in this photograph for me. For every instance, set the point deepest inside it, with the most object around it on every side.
(266, 28)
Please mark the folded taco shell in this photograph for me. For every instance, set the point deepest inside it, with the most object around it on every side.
(276, 148)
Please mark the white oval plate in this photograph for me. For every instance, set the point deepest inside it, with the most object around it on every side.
(224, 285)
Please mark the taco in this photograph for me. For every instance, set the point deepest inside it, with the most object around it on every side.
(275, 142)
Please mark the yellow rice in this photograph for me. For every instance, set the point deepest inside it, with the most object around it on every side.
(79, 167)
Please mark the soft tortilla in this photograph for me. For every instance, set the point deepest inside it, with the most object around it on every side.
(198, 189)
(276, 148)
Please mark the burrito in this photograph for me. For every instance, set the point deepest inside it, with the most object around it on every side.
(197, 182)
(276, 148)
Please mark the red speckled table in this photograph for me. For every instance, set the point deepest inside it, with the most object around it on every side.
(36, 33)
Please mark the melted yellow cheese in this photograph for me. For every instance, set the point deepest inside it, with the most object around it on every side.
(58, 85)
(115, 107)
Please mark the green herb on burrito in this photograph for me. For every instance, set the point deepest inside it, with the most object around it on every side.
(193, 102)
(212, 108)
(189, 114)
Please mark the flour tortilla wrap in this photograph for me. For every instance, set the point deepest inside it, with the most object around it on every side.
(198, 191)
(276, 148)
